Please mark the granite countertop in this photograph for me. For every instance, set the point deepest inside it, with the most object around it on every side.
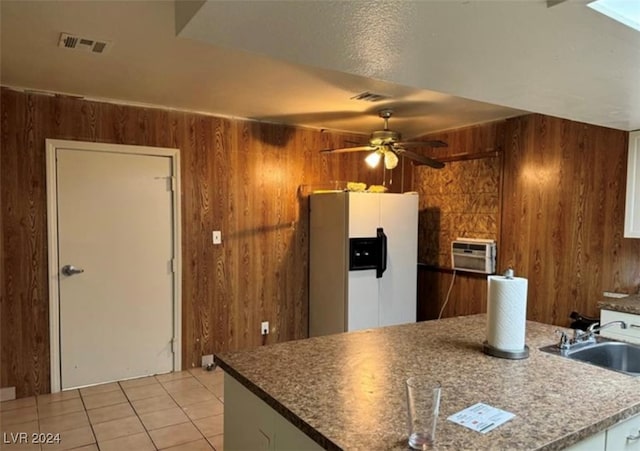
(629, 304)
(347, 391)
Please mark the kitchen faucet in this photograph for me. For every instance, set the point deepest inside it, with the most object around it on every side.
(622, 324)
(588, 336)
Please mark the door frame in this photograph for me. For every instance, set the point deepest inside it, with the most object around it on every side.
(52, 145)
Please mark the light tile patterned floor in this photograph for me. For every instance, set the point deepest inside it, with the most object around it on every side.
(180, 411)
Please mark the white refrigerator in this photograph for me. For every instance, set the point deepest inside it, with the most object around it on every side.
(363, 260)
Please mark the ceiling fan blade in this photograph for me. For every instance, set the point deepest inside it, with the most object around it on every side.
(431, 143)
(350, 149)
(355, 143)
(420, 159)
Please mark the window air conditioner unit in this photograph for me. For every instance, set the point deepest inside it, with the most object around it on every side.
(474, 255)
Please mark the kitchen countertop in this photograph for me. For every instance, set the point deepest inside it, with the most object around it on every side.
(347, 390)
(630, 304)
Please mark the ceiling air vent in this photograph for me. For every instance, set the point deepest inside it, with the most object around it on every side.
(369, 97)
(84, 44)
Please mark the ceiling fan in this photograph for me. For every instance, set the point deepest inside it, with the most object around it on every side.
(388, 144)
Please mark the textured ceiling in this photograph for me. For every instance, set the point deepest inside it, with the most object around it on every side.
(566, 60)
(440, 65)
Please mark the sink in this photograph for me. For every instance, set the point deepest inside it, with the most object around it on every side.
(613, 355)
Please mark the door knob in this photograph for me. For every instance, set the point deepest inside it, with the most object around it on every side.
(70, 270)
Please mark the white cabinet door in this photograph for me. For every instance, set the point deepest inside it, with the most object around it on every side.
(250, 424)
(624, 436)
(248, 421)
(594, 443)
(632, 211)
(630, 334)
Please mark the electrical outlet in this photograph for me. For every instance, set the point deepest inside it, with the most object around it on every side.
(207, 360)
(264, 327)
(217, 237)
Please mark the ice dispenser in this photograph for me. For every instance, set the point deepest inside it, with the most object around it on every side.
(369, 253)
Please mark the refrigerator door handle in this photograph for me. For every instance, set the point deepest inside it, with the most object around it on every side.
(382, 264)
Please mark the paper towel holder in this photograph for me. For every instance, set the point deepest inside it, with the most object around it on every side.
(495, 352)
(513, 355)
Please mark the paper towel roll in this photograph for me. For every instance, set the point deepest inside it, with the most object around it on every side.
(506, 312)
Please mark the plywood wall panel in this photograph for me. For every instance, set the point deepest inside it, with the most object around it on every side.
(460, 200)
(239, 177)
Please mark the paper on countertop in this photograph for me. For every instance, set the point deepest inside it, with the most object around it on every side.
(481, 417)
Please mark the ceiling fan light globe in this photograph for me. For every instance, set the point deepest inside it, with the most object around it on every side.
(390, 160)
(373, 159)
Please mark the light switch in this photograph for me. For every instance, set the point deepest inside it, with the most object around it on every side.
(217, 237)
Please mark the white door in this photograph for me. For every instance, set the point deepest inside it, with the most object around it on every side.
(115, 223)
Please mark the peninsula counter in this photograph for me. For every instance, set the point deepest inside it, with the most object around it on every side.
(347, 391)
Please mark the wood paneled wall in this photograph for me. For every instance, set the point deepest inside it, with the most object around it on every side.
(468, 293)
(240, 177)
(561, 218)
(563, 215)
(562, 211)
(460, 200)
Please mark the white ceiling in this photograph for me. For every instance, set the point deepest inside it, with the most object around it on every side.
(300, 62)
